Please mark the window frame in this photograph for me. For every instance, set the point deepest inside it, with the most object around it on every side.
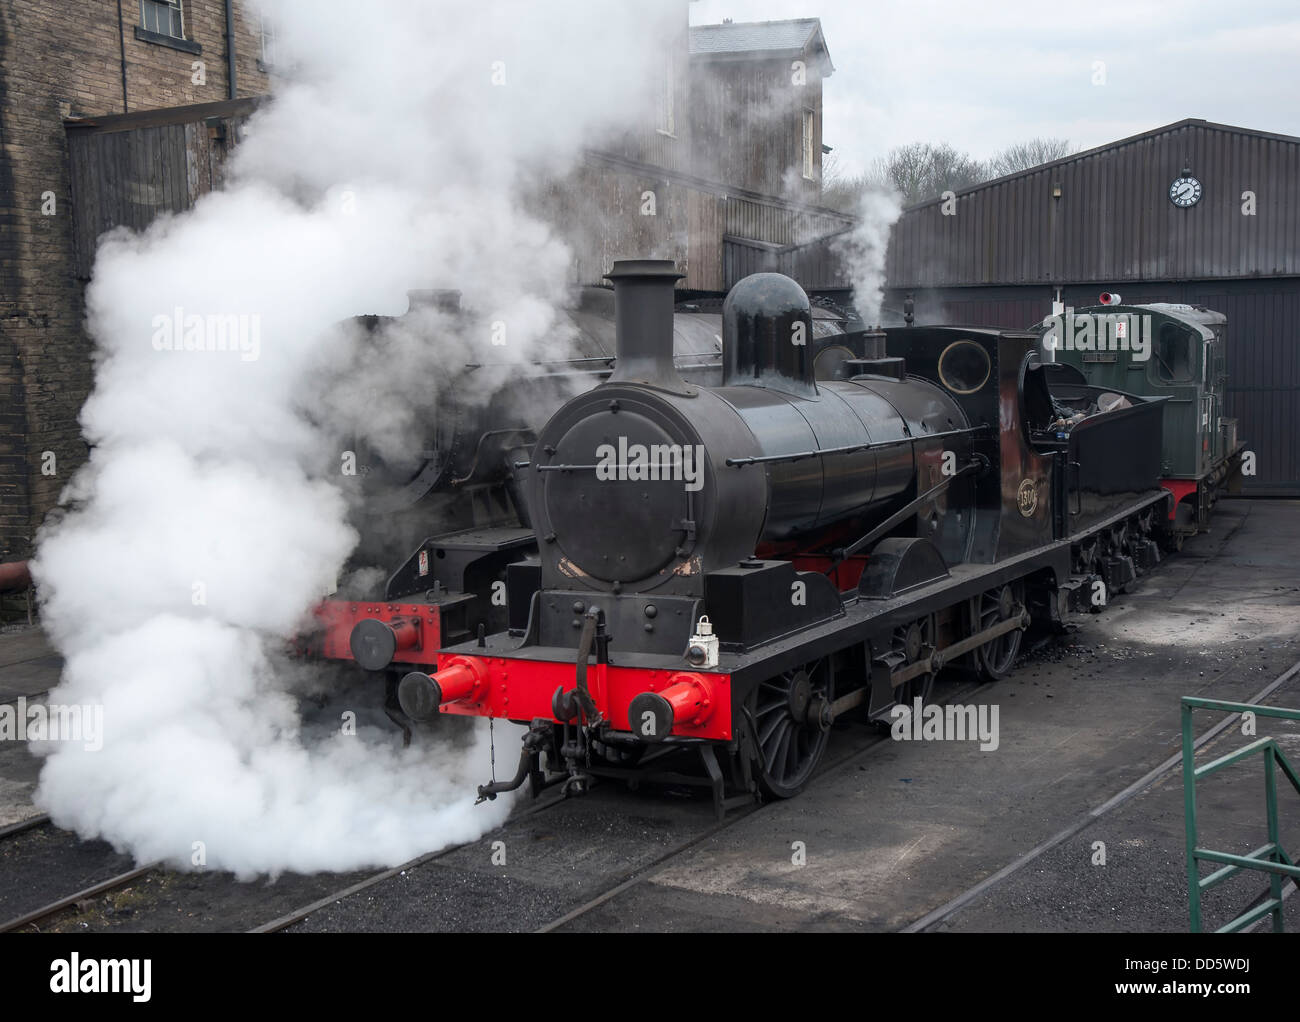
(808, 144)
(667, 114)
(1184, 361)
(176, 10)
(268, 55)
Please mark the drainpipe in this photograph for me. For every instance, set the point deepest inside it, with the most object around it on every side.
(121, 42)
(230, 49)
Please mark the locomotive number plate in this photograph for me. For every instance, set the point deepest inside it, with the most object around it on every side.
(1027, 497)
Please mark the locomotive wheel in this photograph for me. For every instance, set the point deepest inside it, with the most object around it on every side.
(791, 734)
(995, 657)
(915, 641)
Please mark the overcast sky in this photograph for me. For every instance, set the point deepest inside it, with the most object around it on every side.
(983, 75)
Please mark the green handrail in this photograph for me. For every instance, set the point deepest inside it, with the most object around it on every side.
(1270, 858)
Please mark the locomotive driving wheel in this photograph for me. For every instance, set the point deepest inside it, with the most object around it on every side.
(915, 641)
(995, 657)
(790, 718)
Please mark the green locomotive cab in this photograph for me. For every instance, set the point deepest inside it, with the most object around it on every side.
(1162, 350)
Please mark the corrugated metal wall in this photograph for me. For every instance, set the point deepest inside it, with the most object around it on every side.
(1263, 349)
(817, 264)
(779, 224)
(747, 125)
(742, 256)
(1114, 221)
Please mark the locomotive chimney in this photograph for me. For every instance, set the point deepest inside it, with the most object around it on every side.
(643, 322)
(767, 335)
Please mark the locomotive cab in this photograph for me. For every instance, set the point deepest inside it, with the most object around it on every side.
(1170, 351)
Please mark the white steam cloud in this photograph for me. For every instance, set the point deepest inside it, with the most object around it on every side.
(399, 153)
(862, 249)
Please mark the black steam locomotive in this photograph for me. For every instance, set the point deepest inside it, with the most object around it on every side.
(455, 497)
(724, 569)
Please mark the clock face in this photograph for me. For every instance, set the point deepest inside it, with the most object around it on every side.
(1184, 192)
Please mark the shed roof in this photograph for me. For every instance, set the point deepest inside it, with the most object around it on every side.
(766, 38)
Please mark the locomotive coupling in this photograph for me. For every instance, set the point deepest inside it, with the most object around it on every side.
(422, 695)
(538, 738)
(374, 642)
(687, 699)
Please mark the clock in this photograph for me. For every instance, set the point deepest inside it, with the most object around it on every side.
(1185, 191)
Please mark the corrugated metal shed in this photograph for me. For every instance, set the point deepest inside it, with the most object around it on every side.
(999, 259)
(1113, 221)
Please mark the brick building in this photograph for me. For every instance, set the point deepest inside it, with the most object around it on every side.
(123, 120)
(79, 58)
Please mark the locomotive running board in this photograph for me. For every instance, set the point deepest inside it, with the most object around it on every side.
(860, 622)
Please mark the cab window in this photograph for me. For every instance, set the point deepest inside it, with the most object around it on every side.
(1173, 357)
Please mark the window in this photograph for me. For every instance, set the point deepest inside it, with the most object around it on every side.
(163, 17)
(1174, 358)
(268, 44)
(809, 157)
(667, 120)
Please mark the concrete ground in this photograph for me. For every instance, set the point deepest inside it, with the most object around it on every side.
(900, 829)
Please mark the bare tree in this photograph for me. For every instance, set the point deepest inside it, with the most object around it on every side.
(921, 171)
(844, 191)
(917, 171)
(925, 170)
(1024, 155)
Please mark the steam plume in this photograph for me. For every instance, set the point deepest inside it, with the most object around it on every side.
(863, 249)
(210, 517)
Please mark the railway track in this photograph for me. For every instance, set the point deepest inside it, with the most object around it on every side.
(283, 922)
(54, 908)
(954, 905)
(22, 826)
(32, 918)
(619, 884)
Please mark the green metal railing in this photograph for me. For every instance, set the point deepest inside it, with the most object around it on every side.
(1270, 858)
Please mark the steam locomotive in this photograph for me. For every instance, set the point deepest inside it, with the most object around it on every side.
(712, 573)
(456, 497)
